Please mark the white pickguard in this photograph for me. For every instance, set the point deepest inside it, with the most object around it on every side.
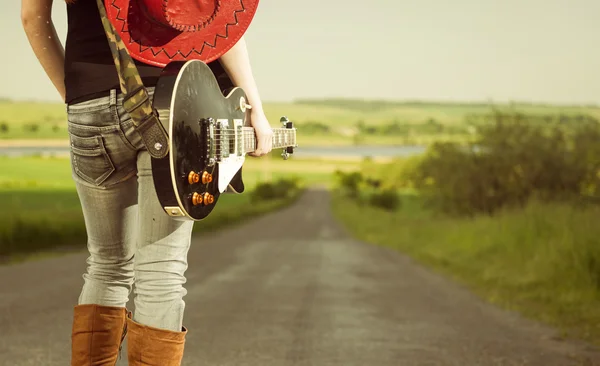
(229, 166)
(227, 171)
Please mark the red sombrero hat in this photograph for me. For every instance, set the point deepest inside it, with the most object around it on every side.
(157, 32)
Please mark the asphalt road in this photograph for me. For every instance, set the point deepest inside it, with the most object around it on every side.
(292, 288)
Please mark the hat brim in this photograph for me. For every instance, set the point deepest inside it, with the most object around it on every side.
(156, 44)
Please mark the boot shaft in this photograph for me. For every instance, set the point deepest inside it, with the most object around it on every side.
(97, 334)
(149, 346)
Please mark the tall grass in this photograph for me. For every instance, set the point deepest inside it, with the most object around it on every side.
(47, 220)
(542, 261)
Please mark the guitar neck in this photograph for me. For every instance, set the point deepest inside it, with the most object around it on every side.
(282, 137)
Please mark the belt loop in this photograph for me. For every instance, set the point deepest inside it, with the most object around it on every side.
(113, 97)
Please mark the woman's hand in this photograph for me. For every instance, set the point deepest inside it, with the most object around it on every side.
(263, 131)
(237, 66)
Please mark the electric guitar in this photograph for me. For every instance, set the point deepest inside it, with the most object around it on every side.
(208, 140)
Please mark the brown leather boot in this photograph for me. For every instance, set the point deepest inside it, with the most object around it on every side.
(97, 334)
(148, 346)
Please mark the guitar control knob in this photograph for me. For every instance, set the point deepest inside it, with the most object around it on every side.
(208, 199)
(206, 178)
(193, 177)
(197, 199)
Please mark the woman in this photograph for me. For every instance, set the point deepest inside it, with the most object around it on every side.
(129, 235)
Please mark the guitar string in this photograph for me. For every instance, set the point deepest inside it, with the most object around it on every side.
(247, 131)
(280, 139)
(274, 140)
(253, 136)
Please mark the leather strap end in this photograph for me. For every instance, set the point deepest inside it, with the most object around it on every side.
(154, 136)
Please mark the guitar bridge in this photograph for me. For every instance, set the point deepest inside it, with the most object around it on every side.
(209, 142)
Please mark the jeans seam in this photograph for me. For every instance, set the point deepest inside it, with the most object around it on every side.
(109, 128)
(119, 127)
(88, 184)
(93, 105)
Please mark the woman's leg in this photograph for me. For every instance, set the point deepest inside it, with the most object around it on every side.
(156, 334)
(110, 218)
(104, 167)
(100, 316)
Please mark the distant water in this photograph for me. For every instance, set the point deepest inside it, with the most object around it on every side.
(308, 151)
(359, 151)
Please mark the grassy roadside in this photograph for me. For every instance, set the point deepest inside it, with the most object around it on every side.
(40, 214)
(539, 262)
(59, 226)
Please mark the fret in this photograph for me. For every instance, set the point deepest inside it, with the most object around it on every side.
(282, 137)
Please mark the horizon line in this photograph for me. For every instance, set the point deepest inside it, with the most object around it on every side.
(307, 100)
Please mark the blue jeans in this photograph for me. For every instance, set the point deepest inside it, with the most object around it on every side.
(132, 242)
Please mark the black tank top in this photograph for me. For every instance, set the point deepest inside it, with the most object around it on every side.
(89, 66)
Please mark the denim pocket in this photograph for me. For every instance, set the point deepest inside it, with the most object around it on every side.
(89, 158)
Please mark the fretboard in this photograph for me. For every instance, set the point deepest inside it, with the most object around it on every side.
(282, 137)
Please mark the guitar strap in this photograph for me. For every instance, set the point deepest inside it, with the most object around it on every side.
(136, 101)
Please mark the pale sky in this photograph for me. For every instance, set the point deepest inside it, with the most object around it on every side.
(464, 50)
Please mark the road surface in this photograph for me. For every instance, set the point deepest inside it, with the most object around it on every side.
(292, 288)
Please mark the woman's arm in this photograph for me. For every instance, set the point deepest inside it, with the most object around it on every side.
(36, 16)
(237, 65)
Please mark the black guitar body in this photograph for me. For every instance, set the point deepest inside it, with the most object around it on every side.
(195, 113)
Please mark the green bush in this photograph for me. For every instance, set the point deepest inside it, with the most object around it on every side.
(512, 160)
(349, 183)
(281, 188)
(387, 199)
(31, 127)
(368, 190)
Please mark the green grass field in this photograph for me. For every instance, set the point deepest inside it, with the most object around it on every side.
(348, 112)
(30, 120)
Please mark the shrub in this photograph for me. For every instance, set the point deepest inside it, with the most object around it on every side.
(281, 188)
(31, 127)
(513, 160)
(349, 183)
(387, 199)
